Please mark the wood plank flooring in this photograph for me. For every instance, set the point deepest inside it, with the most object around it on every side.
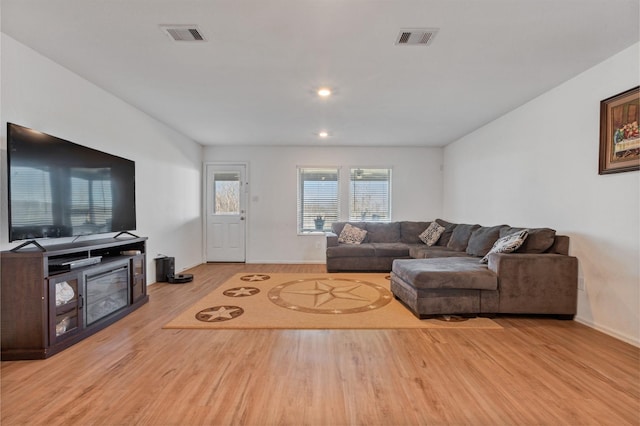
(532, 372)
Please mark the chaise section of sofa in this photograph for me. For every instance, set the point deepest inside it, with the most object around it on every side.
(510, 283)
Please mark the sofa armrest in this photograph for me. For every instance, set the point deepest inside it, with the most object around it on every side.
(536, 283)
(332, 239)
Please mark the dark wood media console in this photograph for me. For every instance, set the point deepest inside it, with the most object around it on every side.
(49, 303)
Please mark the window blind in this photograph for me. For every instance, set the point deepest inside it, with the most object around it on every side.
(318, 198)
(370, 195)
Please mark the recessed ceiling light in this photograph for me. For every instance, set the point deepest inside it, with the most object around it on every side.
(323, 134)
(324, 92)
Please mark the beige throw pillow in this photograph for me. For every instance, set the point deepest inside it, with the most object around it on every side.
(431, 235)
(351, 235)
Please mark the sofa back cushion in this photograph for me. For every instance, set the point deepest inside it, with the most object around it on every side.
(379, 232)
(560, 245)
(448, 231)
(483, 239)
(539, 240)
(460, 236)
(409, 231)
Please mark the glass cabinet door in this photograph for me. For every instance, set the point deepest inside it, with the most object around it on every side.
(65, 304)
(138, 279)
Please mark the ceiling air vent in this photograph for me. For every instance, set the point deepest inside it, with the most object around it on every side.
(416, 36)
(183, 32)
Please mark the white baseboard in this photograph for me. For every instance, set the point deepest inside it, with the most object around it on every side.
(606, 330)
(191, 266)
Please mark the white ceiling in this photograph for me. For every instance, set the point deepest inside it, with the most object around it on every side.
(253, 81)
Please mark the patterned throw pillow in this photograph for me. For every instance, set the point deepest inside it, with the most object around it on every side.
(431, 235)
(507, 244)
(351, 235)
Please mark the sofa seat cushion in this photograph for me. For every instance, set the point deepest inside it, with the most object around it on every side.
(351, 250)
(391, 249)
(425, 252)
(446, 273)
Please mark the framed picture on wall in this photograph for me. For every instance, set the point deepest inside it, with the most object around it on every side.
(619, 138)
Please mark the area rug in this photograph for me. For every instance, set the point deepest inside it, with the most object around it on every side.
(309, 301)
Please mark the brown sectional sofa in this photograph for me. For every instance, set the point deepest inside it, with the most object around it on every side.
(448, 278)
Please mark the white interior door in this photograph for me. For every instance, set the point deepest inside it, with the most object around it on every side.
(225, 211)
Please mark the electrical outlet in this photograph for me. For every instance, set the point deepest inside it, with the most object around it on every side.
(581, 283)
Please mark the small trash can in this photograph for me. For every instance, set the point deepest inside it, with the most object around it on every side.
(165, 266)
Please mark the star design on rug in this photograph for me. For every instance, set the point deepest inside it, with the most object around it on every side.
(255, 277)
(219, 313)
(241, 291)
(324, 293)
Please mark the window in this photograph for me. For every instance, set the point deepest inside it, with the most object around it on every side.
(318, 198)
(226, 193)
(370, 195)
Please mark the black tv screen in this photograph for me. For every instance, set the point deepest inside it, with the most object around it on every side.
(61, 189)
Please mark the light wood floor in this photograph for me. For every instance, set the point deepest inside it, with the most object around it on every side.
(534, 371)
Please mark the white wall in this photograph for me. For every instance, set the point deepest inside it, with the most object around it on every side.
(271, 233)
(538, 166)
(42, 95)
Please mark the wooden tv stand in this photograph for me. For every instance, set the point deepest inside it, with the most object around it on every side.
(51, 298)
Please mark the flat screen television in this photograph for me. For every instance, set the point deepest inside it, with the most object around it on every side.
(60, 189)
